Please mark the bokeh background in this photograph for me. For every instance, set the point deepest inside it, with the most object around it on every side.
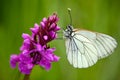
(17, 16)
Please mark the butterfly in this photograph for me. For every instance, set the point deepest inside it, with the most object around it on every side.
(84, 48)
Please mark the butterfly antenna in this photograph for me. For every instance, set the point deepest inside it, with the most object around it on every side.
(69, 12)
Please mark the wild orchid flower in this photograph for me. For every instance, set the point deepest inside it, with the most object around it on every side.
(34, 50)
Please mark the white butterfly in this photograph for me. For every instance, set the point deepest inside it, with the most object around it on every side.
(85, 47)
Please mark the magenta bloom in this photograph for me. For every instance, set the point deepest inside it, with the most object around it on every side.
(35, 50)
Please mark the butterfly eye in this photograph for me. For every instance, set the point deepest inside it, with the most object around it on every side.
(69, 28)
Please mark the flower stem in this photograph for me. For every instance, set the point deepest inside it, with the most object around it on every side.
(26, 77)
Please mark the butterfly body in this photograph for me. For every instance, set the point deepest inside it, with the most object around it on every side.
(85, 47)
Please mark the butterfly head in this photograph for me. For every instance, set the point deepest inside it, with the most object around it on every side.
(68, 32)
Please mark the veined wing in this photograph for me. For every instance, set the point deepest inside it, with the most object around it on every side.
(105, 44)
(81, 52)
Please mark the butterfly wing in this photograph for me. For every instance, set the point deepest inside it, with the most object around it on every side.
(105, 44)
(81, 52)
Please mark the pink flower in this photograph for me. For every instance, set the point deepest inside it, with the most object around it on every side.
(35, 50)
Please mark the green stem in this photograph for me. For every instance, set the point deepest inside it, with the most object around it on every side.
(26, 77)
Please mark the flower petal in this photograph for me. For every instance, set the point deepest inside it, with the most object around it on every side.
(35, 29)
(42, 24)
(57, 28)
(39, 47)
(25, 36)
(52, 34)
(25, 68)
(25, 58)
(26, 44)
(45, 37)
(44, 20)
(56, 58)
(13, 60)
(45, 64)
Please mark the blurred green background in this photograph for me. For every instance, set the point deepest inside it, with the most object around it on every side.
(17, 16)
